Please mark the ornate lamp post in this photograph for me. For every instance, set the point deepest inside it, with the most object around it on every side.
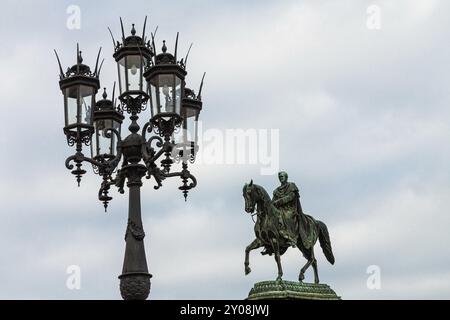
(144, 77)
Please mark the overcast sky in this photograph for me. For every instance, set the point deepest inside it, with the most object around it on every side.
(363, 119)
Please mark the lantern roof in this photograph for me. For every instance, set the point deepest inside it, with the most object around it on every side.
(80, 69)
(104, 103)
(190, 95)
(80, 73)
(166, 63)
(106, 109)
(133, 44)
(167, 58)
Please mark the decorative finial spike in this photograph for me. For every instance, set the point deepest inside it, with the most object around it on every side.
(100, 68)
(96, 62)
(104, 93)
(199, 95)
(80, 58)
(121, 27)
(164, 48)
(187, 55)
(176, 47)
(133, 30)
(113, 94)
(153, 35)
(61, 72)
(112, 37)
(143, 29)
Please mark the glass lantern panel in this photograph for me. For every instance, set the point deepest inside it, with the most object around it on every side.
(135, 65)
(102, 143)
(190, 112)
(167, 97)
(105, 142)
(151, 92)
(71, 103)
(190, 125)
(178, 136)
(116, 125)
(154, 95)
(121, 70)
(178, 95)
(86, 102)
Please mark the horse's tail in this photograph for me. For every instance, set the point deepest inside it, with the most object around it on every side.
(325, 243)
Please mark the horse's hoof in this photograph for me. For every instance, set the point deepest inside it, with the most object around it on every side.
(247, 270)
(279, 279)
(301, 277)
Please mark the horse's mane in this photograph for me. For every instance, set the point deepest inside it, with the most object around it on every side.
(262, 192)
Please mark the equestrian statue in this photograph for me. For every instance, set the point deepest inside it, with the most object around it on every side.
(281, 223)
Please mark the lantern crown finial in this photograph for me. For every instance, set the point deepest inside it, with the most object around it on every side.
(79, 68)
(133, 30)
(105, 103)
(166, 57)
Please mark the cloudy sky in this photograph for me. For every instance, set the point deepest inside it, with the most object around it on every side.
(363, 119)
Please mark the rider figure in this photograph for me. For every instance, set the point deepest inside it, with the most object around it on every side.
(285, 200)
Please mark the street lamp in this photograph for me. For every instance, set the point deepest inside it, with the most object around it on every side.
(143, 76)
(79, 86)
(186, 141)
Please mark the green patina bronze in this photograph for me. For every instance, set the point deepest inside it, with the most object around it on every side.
(286, 290)
(280, 224)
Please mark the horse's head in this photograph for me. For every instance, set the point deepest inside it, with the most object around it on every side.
(249, 193)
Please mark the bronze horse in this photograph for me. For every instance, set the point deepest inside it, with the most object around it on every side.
(267, 231)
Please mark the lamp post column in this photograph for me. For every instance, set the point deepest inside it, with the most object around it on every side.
(135, 279)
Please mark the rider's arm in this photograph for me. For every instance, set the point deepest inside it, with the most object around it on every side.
(290, 197)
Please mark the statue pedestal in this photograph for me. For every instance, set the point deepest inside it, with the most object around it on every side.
(290, 290)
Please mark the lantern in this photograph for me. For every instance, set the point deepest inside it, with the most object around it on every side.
(79, 86)
(166, 86)
(132, 57)
(104, 141)
(186, 142)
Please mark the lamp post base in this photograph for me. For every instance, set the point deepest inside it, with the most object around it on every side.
(135, 285)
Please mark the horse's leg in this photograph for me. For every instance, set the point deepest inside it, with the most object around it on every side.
(276, 249)
(313, 258)
(252, 246)
(314, 264)
(308, 256)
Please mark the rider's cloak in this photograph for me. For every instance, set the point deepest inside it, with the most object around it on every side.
(288, 197)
